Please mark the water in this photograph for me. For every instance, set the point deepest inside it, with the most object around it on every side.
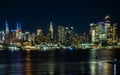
(59, 62)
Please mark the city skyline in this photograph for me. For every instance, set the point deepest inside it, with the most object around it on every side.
(46, 29)
(70, 13)
(101, 34)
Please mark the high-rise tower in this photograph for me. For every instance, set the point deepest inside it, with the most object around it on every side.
(7, 28)
(107, 21)
(94, 32)
(18, 31)
(2, 36)
(39, 32)
(51, 30)
(61, 34)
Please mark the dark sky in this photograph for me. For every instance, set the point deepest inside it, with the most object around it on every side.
(35, 14)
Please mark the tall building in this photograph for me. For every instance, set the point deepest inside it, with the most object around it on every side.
(115, 33)
(107, 22)
(3, 36)
(104, 32)
(6, 33)
(67, 33)
(109, 35)
(18, 31)
(71, 33)
(7, 28)
(94, 32)
(61, 34)
(109, 29)
(27, 36)
(39, 32)
(33, 39)
(51, 30)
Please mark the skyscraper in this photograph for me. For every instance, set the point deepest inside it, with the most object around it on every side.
(107, 21)
(18, 31)
(61, 34)
(51, 30)
(115, 33)
(94, 33)
(7, 28)
(104, 32)
(71, 33)
(39, 32)
(3, 36)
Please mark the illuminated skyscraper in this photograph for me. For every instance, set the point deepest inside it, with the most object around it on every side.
(7, 28)
(61, 34)
(3, 36)
(98, 33)
(94, 33)
(108, 28)
(18, 31)
(104, 32)
(107, 22)
(115, 33)
(27, 36)
(71, 33)
(39, 32)
(67, 36)
(7, 33)
(51, 30)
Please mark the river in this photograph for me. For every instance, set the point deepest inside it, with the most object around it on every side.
(59, 62)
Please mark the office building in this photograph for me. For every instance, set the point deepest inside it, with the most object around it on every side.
(51, 31)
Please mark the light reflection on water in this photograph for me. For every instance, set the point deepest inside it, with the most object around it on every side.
(57, 63)
(28, 64)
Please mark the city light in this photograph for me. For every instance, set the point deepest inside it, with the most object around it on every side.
(101, 35)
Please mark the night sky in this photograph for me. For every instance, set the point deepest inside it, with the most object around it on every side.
(35, 14)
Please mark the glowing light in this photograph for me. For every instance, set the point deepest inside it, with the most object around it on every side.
(114, 69)
(93, 68)
(92, 24)
(28, 64)
(106, 17)
(12, 30)
(71, 49)
(93, 35)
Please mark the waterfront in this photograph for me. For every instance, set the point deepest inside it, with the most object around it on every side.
(58, 62)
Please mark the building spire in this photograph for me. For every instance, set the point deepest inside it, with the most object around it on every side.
(51, 30)
(17, 25)
(51, 24)
(6, 23)
(7, 28)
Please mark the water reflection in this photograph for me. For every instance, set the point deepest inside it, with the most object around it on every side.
(60, 63)
(93, 68)
(28, 64)
(51, 64)
(93, 62)
(16, 66)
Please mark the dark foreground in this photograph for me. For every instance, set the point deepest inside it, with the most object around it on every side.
(59, 62)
